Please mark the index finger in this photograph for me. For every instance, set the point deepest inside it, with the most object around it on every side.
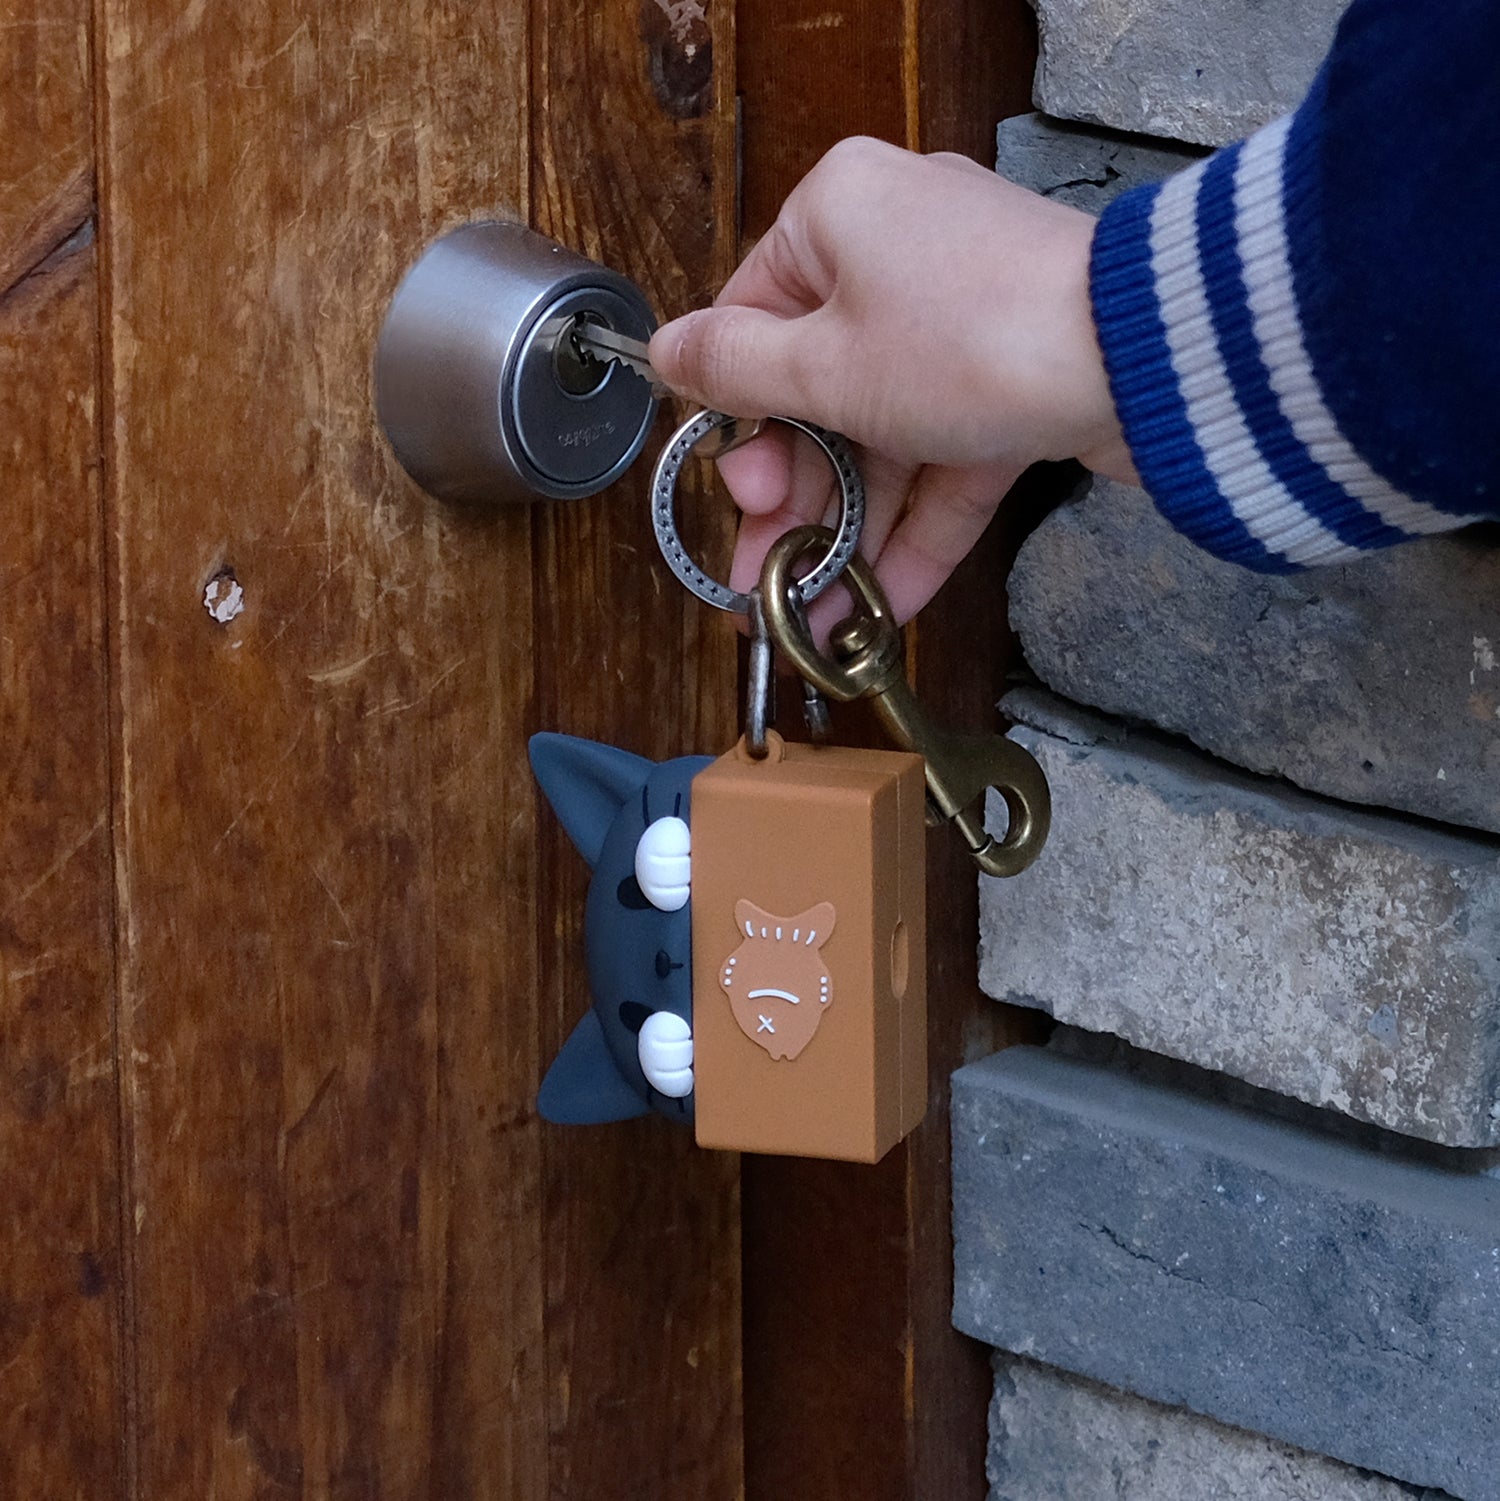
(775, 277)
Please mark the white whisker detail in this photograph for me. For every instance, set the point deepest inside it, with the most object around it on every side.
(813, 934)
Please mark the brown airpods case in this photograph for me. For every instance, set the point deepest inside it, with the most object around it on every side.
(809, 951)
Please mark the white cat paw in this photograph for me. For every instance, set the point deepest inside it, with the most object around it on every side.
(664, 864)
(665, 1046)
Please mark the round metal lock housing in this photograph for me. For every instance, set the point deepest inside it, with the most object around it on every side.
(478, 386)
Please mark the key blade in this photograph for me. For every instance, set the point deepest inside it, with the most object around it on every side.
(619, 349)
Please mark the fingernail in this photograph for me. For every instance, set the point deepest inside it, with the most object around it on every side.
(668, 340)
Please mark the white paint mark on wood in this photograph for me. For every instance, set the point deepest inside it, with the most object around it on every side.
(682, 16)
(224, 598)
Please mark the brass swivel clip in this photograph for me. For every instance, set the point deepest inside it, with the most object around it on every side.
(867, 663)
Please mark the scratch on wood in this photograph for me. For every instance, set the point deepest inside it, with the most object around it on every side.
(338, 906)
(295, 1129)
(298, 32)
(305, 604)
(75, 241)
(400, 705)
(56, 219)
(829, 20)
(336, 677)
(61, 861)
(260, 793)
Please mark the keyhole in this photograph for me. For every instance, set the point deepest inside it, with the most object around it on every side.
(578, 374)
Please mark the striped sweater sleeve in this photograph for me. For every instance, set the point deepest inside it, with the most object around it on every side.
(1302, 332)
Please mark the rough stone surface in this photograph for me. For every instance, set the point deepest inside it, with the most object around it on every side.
(1348, 959)
(1082, 167)
(1191, 71)
(1055, 1437)
(1376, 681)
(1339, 1300)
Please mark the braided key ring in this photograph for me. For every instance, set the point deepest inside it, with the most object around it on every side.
(664, 509)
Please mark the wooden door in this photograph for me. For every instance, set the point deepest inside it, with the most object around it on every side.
(854, 1369)
(285, 939)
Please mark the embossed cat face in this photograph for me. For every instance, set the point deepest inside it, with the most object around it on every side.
(777, 983)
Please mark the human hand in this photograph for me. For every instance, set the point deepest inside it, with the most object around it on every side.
(932, 312)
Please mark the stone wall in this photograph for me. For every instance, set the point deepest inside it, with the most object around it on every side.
(1235, 1231)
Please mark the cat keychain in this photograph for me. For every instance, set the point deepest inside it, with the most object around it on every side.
(756, 924)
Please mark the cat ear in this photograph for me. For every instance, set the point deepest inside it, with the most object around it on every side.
(584, 1086)
(587, 784)
(817, 922)
(751, 920)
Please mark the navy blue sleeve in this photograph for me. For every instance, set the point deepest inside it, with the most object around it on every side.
(1302, 332)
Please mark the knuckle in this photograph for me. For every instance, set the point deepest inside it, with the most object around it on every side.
(854, 152)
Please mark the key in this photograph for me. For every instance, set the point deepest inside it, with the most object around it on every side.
(594, 341)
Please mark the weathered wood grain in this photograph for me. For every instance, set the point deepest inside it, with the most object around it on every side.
(344, 960)
(633, 162)
(61, 1277)
(59, 1262)
(60, 1268)
(926, 76)
(810, 74)
(46, 132)
(857, 1364)
(327, 826)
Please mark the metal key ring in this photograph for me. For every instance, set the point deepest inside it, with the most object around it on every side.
(835, 448)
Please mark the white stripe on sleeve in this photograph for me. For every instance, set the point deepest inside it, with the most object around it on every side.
(1268, 510)
(1260, 227)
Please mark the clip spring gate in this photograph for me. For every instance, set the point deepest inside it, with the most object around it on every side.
(867, 664)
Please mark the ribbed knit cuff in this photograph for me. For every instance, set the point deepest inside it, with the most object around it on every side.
(1197, 314)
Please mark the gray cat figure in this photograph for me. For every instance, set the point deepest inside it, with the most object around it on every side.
(630, 820)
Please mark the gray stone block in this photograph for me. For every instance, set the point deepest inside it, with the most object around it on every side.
(1055, 1437)
(1191, 71)
(1336, 1299)
(1342, 958)
(1376, 681)
(1079, 166)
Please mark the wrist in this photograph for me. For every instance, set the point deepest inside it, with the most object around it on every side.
(1091, 431)
(1049, 375)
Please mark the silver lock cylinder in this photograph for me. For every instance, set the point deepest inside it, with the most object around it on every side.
(478, 386)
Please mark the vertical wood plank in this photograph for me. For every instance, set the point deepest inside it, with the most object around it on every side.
(46, 133)
(327, 828)
(61, 1279)
(633, 163)
(974, 61)
(809, 75)
(949, 1381)
(858, 1368)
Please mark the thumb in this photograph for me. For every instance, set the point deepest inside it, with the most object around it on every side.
(745, 361)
